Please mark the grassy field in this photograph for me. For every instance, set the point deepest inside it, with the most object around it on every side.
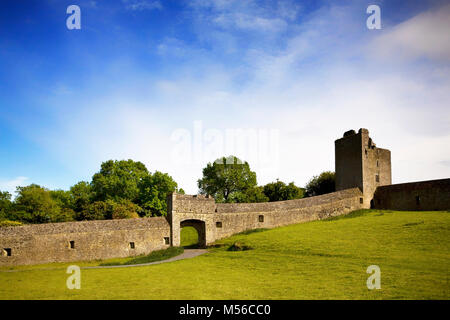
(315, 260)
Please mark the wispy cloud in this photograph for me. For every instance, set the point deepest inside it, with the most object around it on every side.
(311, 81)
(423, 36)
(10, 185)
(269, 17)
(140, 5)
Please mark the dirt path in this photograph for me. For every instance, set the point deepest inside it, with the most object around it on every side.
(187, 254)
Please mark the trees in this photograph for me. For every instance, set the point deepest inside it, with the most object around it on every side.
(254, 194)
(125, 209)
(98, 210)
(154, 189)
(321, 184)
(81, 194)
(34, 204)
(62, 198)
(121, 189)
(126, 189)
(118, 180)
(5, 205)
(130, 180)
(227, 179)
(278, 191)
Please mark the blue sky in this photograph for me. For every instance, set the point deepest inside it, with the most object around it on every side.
(175, 84)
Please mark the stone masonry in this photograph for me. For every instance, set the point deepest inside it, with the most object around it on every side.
(363, 180)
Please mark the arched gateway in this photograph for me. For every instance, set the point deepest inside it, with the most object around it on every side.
(195, 211)
(200, 227)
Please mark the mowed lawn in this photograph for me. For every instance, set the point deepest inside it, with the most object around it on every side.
(316, 260)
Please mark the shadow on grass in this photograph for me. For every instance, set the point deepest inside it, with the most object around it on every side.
(151, 257)
(193, 246)
(353, 214)
(413, 224)
(238, 246)
(323, 254)
(246, 232)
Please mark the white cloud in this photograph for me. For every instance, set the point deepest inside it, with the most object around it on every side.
(268, 17)
(140, 5)
(425, 35)
(10, 185)
(249, 22)
(312, 88)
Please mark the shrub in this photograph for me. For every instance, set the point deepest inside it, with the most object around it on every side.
(237, 246)
(125, 209)
(9, 223)
(321, 184)
(98, 210)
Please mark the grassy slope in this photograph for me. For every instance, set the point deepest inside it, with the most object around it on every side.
(189, 237)
(316, 260)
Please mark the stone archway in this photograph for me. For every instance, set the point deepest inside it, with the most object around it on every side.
(200, 227)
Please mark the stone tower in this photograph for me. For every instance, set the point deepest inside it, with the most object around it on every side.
(359, 163)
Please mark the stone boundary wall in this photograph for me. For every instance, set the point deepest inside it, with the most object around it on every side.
(238, 217)
(104, 239)
(423, 195)
(224, 219)
(83, 240)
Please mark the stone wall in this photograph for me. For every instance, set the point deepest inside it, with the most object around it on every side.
(224, 219)
(423, 195)
(84, 240)
(234, 218)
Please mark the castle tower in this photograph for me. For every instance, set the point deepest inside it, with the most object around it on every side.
(359, 163)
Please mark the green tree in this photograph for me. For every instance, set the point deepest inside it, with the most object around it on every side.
(226, 179)
(321, 184)
(255, 194)
(154, 189)
(34, 204)
(125, 209)
(82, 195)
(118, 180)
(278, 191)
(62, 198)
(5, 205)
(98, 210)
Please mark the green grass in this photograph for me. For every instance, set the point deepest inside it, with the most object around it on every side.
(316, 260)
(189, 237)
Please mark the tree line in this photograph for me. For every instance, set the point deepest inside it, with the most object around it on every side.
(126, 189)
